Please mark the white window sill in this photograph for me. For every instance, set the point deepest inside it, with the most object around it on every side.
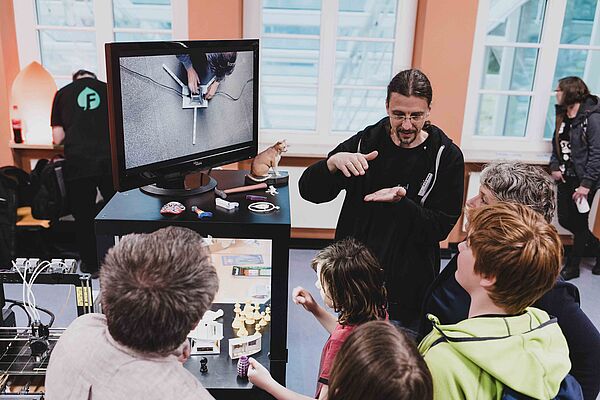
(528, 157)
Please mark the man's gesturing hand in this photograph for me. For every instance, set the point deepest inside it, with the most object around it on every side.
(388, 195)
(350, 163)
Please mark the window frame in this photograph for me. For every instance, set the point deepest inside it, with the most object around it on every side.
(27, 30)
(533, 147)
(322, 140)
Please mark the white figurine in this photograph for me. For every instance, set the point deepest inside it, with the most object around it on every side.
(206, 338)
(263, 321)
(249, 325)
(238, 321)
(242, 332)
(245, 346)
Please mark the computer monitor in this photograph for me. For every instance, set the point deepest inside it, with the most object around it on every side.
(176, 108)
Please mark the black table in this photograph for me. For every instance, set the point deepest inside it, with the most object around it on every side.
(134, 211)
(222, 370)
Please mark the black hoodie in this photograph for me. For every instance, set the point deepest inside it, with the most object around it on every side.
(585, 142)
(404, 235)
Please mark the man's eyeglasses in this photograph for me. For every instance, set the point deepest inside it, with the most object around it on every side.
(414, 118)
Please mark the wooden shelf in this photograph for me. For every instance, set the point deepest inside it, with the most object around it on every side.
(26, 146)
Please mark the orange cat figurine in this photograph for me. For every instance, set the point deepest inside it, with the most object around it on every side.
(267, 160)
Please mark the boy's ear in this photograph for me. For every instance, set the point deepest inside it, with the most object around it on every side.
(487, 282)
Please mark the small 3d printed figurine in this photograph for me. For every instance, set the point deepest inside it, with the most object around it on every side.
(242, 367)
(245, 346)
(206, 337)
(203, 365)
(263, 321)
(201, 213)
(238, 321)
(249, 325)
(268, 314)
(267, 160)
(172, 208)
(242, 332)
(248, 310)
(256, 314)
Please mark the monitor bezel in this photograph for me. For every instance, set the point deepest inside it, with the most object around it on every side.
(126, 179)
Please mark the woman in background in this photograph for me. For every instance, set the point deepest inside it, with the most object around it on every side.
(575, 166)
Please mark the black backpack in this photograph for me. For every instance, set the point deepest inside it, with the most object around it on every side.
(8, 220)
(50, 194)
(23, 184)
(14, 193)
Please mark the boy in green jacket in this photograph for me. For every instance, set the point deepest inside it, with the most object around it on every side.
(510, 258)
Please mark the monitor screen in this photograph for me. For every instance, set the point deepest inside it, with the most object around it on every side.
(178, 107)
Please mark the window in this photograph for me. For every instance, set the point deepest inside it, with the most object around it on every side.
(521, 49)
(68, 35)
(325, 66)
(578, 51)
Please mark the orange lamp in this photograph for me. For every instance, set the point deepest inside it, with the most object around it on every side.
(32, 92)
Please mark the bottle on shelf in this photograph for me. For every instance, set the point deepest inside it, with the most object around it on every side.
(16, 125)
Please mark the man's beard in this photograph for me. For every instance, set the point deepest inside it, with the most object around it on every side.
(406, 137)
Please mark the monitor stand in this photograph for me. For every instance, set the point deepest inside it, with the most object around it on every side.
(189, 185)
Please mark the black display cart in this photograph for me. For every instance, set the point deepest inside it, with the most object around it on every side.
(136, 212)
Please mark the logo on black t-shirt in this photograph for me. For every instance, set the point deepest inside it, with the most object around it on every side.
(88, 99)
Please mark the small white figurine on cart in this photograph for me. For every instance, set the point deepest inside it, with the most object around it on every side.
(206, 337)
(245, 346)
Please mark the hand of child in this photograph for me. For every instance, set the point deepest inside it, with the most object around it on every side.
(304, 298)
(258, 375)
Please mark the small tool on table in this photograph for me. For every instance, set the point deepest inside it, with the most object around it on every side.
(201, 213)
(255, 197)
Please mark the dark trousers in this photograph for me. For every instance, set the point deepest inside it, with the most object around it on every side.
(82, 200)
(570, 218)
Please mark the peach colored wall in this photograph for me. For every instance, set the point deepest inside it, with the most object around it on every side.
(442, 50)
(443, 45)
(221, 19)
(9, 67)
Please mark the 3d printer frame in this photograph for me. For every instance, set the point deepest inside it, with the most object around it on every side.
(22, 372)
(82, 283)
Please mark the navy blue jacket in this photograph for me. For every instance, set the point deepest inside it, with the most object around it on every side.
(448, 301)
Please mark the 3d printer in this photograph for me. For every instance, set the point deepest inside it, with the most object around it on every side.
(25, 350)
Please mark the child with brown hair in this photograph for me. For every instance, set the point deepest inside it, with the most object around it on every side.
(378, 361)
(350, 282)
(511, 257)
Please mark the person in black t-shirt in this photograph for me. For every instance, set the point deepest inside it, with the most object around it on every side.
(80, 120)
